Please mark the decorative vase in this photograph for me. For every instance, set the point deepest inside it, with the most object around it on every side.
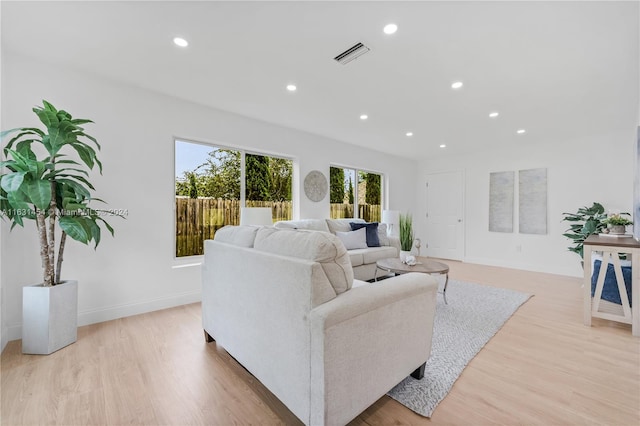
(404, 254)
(49, 317)
(617, 229)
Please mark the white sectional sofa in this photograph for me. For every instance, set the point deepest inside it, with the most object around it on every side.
(284, 304)
(363, 260)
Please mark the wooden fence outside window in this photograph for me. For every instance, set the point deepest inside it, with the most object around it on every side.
(198, 219)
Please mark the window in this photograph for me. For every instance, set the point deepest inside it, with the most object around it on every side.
(355, 191)
(209, 190)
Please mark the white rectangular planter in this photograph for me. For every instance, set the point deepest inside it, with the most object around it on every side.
(49, 317)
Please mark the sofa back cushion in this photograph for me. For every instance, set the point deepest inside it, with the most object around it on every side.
(321, 247)
(242, 236)
(341, 225)
(309, 224)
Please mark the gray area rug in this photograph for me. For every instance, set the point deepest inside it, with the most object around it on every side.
(473, 316)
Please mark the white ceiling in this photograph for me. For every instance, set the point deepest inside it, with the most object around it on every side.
(561, 70)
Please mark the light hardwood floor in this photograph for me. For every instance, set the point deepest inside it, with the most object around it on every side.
(542, 368)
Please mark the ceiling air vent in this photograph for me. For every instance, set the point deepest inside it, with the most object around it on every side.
(351, 53)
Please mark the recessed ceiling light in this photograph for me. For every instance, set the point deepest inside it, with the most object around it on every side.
(494, 114)
(291, 87)
(443, 146)
(456, 85)
(179, 41)
(364, 117)
(521, 131)
(390, 28)
(409, 134)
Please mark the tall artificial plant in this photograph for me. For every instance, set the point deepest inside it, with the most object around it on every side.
(406, 232)
(586, 221)
(54, 189)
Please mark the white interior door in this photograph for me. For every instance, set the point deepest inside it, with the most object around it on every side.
(445, 215)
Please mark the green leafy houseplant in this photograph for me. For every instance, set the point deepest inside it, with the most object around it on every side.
(52, 190)
(618, 220)
(586, 221)
(406, 232)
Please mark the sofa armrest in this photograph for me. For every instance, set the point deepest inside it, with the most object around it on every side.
(367, 298)
(367, 340)
(395, 242)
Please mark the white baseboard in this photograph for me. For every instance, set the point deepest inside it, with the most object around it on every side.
(523, 266)
(14, 332)
(4, 339)
(129, 309)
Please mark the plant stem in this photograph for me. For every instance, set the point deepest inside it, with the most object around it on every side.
(52, 233)
(42, 232)
(63, 239)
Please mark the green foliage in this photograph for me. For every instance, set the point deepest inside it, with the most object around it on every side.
(54, 188)
(268, 178)
(193, 186)
(373, 191)
(221, 175)
(281, 172)
(336, 185)
(586, 221)
(258, 178)
(406, 232)
(618, 220)
(352, 198)
(217, 177)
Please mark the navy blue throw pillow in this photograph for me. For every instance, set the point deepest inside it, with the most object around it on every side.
(372, 232)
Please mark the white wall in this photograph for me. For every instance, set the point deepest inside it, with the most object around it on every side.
(4, 335)
(136, 272)
(579, 172)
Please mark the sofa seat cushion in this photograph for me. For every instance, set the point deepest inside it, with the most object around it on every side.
(309, 224)
(373, 254)
(321, 247)
(356, 257)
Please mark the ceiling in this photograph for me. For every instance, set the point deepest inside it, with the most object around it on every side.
(560, 70)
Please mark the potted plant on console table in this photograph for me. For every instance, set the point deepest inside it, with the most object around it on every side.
(51, 190)
(617, 224)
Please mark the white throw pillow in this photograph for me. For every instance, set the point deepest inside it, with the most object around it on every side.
(382, 234)
(354, 239)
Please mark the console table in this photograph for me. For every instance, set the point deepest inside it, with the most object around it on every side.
(611, 247)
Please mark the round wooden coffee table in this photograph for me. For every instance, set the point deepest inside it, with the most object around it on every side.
(424, 265)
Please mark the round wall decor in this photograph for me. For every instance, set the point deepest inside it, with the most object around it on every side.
(315, 185)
